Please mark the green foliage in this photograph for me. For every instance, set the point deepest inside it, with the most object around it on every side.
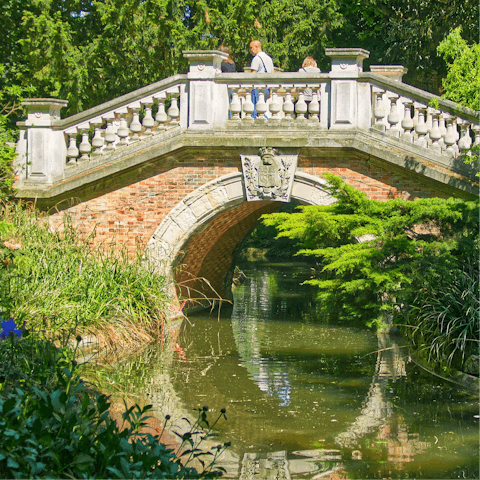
(399, 32)
(461, 83)
(56, 281)
(7, 154)
(54, 428)
(442, 318)
(401, 241)
(32, 363)
(294, 29)
(264, 237)
(90, 52)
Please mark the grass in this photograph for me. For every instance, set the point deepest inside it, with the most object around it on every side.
(443, 317)
(57, 282)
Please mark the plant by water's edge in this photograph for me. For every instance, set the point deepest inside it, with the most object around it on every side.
(59, 282)
(53, 425)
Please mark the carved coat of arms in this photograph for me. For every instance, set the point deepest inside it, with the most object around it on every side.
(268, 175)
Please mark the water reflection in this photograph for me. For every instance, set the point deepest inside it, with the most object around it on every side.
(271, 377)
(306, 399)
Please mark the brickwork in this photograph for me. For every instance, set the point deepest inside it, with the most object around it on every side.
(126, 209)
(209, 254)
(376, 181)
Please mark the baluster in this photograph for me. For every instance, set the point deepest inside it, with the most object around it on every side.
(84, 147)
(421, 127)
(123, 131)
(97, 141)
(407, 122)
(248, 106)
(148, 122)
(161, 118)
(135, 125)
(314, 106)
(174, 111)
(288, 106)
(465, 141)
(379, 111)
(275, 105)
(110, 136)
(261, 105)
(435, 133)
(443, 131)
(450, 135)
(393, 117)
(72, 150)
(301, 106)
(235, 106)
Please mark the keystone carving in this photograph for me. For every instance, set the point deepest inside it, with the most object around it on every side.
(268, 175)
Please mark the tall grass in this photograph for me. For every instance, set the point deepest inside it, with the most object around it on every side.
(444, 315)
(57, 281)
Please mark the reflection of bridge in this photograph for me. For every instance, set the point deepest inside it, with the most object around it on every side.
(165, 166)
(378, 420)
(377, 416)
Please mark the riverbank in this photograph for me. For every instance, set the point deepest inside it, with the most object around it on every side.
(56, 284)
(58, 292)
(50, 413)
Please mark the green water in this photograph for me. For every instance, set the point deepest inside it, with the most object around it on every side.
(339, 400)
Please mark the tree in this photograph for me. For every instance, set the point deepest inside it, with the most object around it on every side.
(90, 52)
(411, 243)
(461, 83)
(406, 32)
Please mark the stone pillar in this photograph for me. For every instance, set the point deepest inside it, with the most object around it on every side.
(208, 101)
(349, 98)
(42, 149)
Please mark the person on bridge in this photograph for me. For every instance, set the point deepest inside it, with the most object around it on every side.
(261, 63)
(228, 65)
(309, 65)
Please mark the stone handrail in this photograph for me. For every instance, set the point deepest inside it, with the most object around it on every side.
(206, 100)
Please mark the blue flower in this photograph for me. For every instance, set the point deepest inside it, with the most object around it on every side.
(7, 327)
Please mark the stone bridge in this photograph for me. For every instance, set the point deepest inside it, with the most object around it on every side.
(181, 169)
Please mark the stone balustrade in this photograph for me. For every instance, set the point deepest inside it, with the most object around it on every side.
(207, 101)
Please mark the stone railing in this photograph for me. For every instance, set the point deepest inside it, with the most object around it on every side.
(207, 101)
(60, 148)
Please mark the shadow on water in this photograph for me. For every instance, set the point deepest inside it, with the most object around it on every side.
(307, 399)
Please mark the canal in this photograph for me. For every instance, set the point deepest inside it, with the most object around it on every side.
(306, 398)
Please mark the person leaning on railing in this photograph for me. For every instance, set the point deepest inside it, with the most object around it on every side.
(228, 65)
(261, 63)
(309, 65)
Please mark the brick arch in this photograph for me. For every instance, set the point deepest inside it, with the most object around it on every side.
(199, 235)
